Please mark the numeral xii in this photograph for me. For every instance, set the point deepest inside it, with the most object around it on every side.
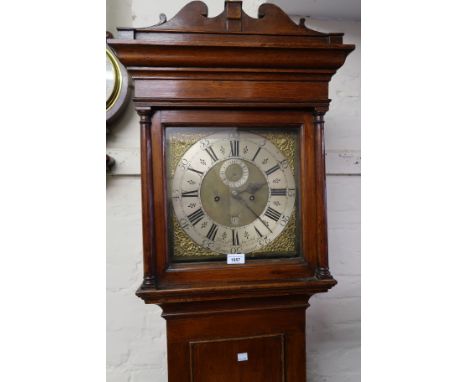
(234, 148)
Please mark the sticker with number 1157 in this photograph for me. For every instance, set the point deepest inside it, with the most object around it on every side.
(237, 258)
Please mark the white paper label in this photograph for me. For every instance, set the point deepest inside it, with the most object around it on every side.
(236, 258)
(242, 357)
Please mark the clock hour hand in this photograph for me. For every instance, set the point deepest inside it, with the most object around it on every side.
(236, 196)
(252, 188)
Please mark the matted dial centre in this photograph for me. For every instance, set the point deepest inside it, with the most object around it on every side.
(231, 205)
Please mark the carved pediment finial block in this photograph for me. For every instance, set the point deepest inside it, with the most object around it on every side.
(273, 20)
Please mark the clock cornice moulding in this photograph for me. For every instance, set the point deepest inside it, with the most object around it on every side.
(230, 47)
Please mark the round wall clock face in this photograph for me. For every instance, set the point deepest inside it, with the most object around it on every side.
(113, 80)
(233, 192)
(116, 86)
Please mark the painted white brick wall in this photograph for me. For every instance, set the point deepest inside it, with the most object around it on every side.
(136, 338)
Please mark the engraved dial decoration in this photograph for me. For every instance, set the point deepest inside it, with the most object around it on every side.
(233, 192)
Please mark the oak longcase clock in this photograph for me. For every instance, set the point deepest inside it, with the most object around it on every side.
(233, 185)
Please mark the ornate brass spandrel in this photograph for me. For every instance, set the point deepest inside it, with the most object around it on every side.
(286, 242)
(184, 246)
(176, 147)
(286, 142)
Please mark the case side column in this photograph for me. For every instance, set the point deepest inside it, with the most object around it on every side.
(149, 257)
(322, 271)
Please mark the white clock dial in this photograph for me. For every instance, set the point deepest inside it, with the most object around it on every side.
(233, 192)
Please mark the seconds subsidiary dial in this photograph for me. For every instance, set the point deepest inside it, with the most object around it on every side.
(233, 192)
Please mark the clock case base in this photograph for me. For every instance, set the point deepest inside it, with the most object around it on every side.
(205, 339)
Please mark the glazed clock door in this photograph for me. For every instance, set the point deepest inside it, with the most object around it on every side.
(232, 190)
(232, 182)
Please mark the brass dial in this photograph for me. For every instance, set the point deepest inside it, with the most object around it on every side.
(233, 192)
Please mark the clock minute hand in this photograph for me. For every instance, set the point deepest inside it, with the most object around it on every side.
(236, 196)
